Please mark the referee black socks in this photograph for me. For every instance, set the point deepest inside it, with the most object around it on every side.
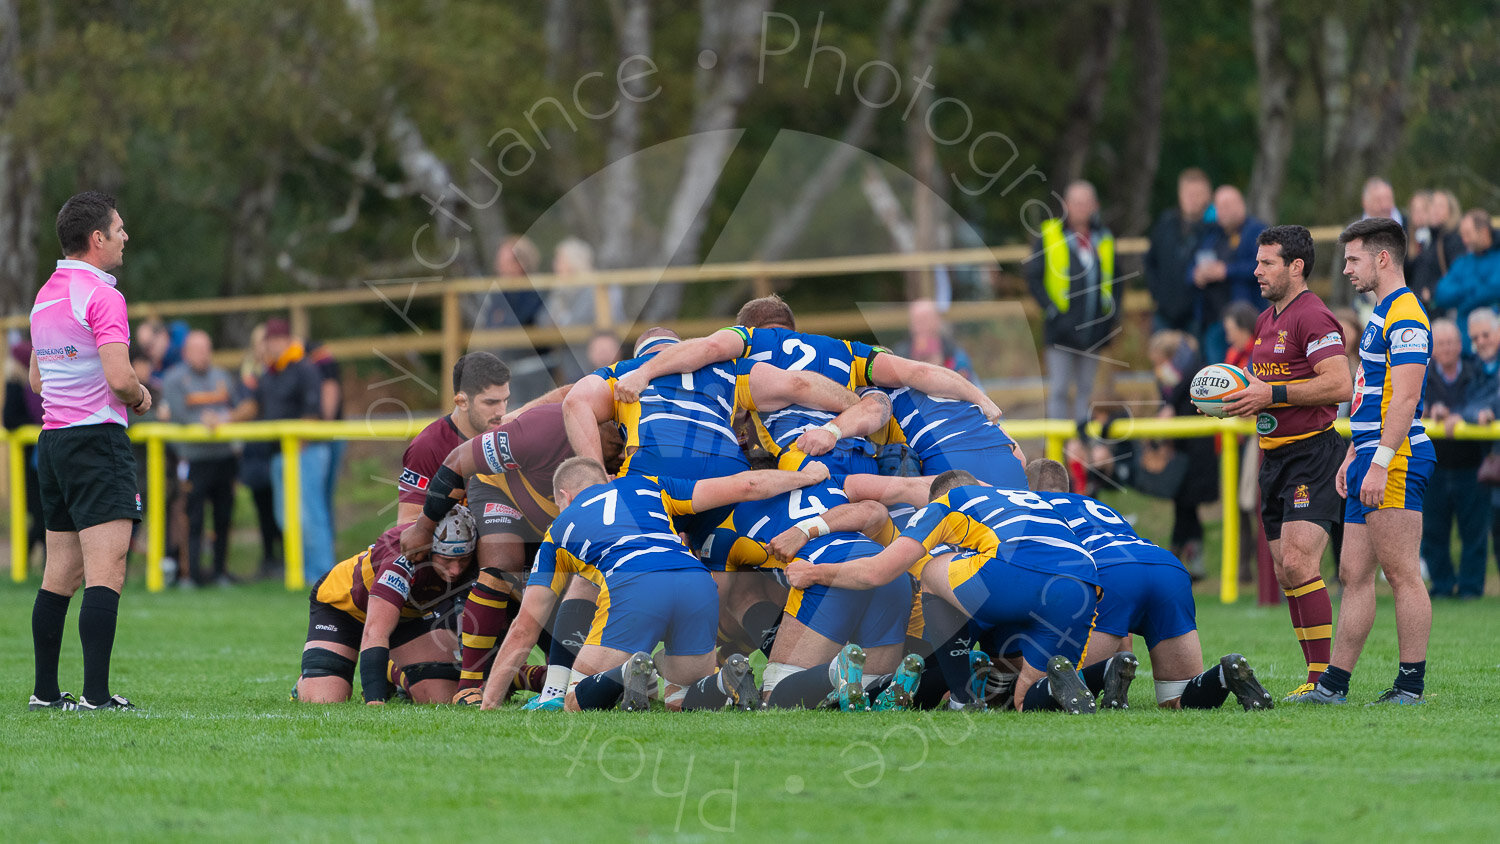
(96, 629)
(48, 617)
(1412, 677)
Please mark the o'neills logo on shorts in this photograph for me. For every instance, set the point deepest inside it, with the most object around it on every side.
(1265, 423)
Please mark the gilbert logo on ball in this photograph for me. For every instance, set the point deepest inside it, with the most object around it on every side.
(1215, 385)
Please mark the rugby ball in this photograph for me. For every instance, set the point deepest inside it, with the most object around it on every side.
(1215, 385)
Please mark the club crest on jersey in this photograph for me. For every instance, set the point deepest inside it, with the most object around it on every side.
(409, 477)
(1280, 342)
(1300, 497)
(1368, 340)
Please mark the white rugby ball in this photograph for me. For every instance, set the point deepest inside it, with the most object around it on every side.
(1215, 385)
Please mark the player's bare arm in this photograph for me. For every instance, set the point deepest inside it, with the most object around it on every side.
(34, 375)
(1406, 392)
(888, 370)
(754, 485)
(889, 491)
(590, 403)
(867, 517)
(681, 358)
(536, 606)
(868, 573)
(773, 388)
(1331, 384)
(865, 417)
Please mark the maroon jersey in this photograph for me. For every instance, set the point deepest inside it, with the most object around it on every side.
(520, 457)
(423, 457)
(1287, 347)
(382, 572)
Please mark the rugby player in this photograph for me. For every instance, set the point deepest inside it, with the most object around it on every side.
(1386, 469)
(1298, 376)
(481, 394)
(619, 534)
(1027, 579)
(1146, 592)
(388, 610)
(948, 434)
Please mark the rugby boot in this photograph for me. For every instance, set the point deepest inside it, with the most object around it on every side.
(979, 677)
(64, 702)
(1293, 695)
(539, 703)
(115, 702)
(847, 673)
(1399, 697)
(1320, 695)
(738, 681)
(1067, 687)
(1118, 676)
(1242, 683)
(640, 679)
(900, 693)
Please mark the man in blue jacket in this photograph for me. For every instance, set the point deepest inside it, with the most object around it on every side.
(1224, 268)
(1474, 279)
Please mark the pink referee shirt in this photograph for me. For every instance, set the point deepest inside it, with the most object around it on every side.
(77, 311)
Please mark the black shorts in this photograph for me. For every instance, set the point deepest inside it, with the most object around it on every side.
(495, 514)
(86, 477)
(1297, 482)
(327, 623)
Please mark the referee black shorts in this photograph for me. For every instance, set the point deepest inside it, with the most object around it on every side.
(86, 476)
(1297, 482)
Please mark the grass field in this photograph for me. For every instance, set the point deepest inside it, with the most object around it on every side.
(218, 752)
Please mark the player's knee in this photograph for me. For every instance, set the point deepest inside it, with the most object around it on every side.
(321, 662)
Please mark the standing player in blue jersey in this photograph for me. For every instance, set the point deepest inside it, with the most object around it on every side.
(1028, 580)
(1386, 470)
(619, 534)
(1146, 592)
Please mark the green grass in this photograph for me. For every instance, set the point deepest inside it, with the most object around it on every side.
(218, 752)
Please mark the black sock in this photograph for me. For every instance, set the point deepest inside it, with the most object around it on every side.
(48, 616)
(574, 617)
(953, 636)
(1093, 675)
(705, 694)
(932, 688)
(1206, 691)
(602, 690)
(1039, 698)
(1412, 676)
(920, 647)
(761, 622)
(806, 689)
(96, 629)
(1336, 680)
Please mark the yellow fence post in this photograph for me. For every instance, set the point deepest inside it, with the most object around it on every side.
(452, 342)
(1055, 446)
(291, 510)
(1229, 500)
(18, 549)
(156, 516)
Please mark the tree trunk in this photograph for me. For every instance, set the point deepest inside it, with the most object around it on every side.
(1096, 55)
(20, 175)
(1142, 154)
(619, 207)
(1274, 145)
(249, 249)
(920, 143)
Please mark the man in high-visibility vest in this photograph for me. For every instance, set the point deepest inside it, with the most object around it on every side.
(1071, 273)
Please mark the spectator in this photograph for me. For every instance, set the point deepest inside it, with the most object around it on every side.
(195, 391)
(331, 407)
(1474, 279)
(255, 462)
(1174, 238)
(931, 341)
(516, 258)
(24, 407)
(578, 306)
(1071, 272)
(1224, 268)
(1175, 360)
(290, 388)
(1378, 199)
(153, 342)
(1239, 331)
(604, 350)
(1456, 389)
(1349, 326)
(1443, 245)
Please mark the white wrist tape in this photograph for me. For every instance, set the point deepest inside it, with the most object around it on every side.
(832, 429)
(1383, 455)
(813, 527)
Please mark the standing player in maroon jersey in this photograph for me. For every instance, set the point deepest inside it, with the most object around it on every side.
(1298, 377)
(481, 393)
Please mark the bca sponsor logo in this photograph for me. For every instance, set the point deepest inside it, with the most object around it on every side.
(395, 583)
(409, 477)
(498, 509)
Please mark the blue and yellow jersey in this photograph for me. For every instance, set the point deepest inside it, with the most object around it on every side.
(683, 425)
(623, 526)
(953, 434)
(1398, 333)
(737, 543)
(1016, 526)
(845, 362)
(1106, 534)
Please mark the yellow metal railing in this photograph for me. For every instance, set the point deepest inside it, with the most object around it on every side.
(292, 434)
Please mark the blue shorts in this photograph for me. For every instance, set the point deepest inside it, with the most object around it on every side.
(1405, 483)
(1153, 601)
(679, 608)
(869, 618)
(1041, 615)
(999, 468)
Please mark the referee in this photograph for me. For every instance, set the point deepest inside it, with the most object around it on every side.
(80, 364)
(1298, 377)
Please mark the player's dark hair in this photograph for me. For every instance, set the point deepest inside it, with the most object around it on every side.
(81, 216)
(1044, 475)
(476, 372)
(1295, 242)
(575, 473)
(766, 312)
(949, 480)
(1378, 234)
